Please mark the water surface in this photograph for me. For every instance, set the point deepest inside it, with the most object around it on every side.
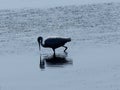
(92, 58)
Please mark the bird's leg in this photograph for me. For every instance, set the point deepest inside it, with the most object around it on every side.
(65, 48)
(54, 51)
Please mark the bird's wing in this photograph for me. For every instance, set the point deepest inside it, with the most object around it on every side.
(57, 40)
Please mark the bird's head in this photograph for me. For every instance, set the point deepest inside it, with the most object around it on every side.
(39, 39)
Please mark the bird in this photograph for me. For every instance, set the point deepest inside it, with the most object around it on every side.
(53, 42)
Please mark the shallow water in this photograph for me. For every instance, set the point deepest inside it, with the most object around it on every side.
(94, 68)
(92, 58)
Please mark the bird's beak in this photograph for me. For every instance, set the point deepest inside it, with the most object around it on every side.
(39, 45)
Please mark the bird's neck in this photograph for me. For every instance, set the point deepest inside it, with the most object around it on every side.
(41, 42)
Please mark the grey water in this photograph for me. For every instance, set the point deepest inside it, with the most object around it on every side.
(23, 66)
(84, 24)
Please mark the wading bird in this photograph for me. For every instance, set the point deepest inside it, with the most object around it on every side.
(53, 42)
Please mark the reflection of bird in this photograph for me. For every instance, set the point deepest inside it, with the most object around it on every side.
(54, 61)
(53, 42)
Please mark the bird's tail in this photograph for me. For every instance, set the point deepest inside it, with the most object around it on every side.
(69, 39)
